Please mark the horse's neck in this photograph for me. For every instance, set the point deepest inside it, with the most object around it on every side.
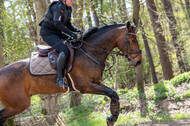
(104, 43)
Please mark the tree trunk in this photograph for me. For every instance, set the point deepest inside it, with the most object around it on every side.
(112, 9)
(40, 7)
(123, 10)
(188, 7)
(138, 69)
(32, 23)
(136, 8)
(174, 33)
(185, 10)
(88, 13)
(75, 96)
(1, 32)
(116, 73)
(1, 49)
(101, 8)
(78, 17)
(75, 99)
(149, 56)
(94, 13)
(49, 102)
(160, 39)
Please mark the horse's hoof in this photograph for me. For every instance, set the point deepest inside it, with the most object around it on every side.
(111, 120)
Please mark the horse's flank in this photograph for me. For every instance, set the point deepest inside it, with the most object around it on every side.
(12, 74)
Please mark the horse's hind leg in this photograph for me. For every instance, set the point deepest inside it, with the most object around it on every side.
(101, 89)
(13, 107)
(8, 112)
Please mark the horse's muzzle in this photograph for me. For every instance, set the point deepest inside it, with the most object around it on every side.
(134, 63)
(138, 63)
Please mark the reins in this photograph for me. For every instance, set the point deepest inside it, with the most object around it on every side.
(127, 55)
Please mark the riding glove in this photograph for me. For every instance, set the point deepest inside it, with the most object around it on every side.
(76, 36)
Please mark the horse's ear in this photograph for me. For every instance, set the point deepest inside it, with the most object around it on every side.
(128, 25)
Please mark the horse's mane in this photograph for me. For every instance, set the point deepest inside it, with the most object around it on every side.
(101, 30)
(89, 32)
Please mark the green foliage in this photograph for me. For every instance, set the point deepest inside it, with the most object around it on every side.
(16, 41)
(182, 78)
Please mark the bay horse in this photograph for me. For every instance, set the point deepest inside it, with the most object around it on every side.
(17, 84)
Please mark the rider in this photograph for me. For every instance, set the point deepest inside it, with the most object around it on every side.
(55, 24)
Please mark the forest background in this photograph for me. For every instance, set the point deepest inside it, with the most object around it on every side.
(163, 34)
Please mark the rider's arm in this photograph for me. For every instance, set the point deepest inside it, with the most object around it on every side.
(72, 27)
(57, 15)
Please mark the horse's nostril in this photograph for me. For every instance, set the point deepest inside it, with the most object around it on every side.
(138, 63)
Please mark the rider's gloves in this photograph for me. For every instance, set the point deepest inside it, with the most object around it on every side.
(77, 36)
(79, 30)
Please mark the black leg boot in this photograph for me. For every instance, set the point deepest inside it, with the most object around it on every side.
(61, 62)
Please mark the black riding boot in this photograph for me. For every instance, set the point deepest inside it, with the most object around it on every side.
(61, 62)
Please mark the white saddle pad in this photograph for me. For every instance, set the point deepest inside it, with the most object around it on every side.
(40, 65)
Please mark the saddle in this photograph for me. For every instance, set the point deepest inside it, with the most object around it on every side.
(44, 61)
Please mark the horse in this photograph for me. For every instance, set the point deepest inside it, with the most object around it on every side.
(17, 84)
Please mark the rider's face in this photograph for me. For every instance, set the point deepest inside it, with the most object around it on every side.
(69, 2)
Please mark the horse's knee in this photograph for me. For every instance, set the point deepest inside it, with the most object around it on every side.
(114, 95)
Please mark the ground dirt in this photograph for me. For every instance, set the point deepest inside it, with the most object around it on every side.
(183, 122)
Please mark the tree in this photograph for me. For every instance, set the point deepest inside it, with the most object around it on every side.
(77, 7)
(87, 7)
(188, 7)
(124, 11)
(40, 7)
(138, 69)
(31, 15)
(94, 13)
(136, 9)
(49, 102)
(1, 32)
(149, 55)
(174, 34)
(160, 39)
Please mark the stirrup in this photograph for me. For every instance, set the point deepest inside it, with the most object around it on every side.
(61, 82)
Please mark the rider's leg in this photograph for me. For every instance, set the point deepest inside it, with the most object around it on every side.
(56, 42)
(61, 63)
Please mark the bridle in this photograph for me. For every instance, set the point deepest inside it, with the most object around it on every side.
(127, 55)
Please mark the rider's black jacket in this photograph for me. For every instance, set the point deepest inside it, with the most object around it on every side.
(57, 20)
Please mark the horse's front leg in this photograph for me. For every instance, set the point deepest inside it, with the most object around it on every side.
(101, 89)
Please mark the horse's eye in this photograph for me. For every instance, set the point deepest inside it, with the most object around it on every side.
(133, 40)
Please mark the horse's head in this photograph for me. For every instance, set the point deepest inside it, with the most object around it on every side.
(129, 46)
